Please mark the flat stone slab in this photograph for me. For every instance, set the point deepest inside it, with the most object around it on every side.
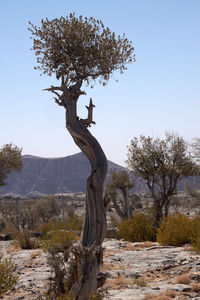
(134, 270)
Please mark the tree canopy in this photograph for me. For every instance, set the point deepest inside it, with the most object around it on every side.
(81, 48)
(10, 160)
(161, 163)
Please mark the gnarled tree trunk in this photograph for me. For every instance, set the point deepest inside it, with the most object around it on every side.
(89, 253)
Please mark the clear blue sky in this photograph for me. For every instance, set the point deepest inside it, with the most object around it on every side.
(158, 93)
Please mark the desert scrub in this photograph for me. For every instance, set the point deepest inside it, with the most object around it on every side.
(176, 230)
(140, 282)
(53, 296)
(73, 223)
(7, 279)
(95, 296)
(196, 233)
(137, 229)
(24, 240)
(59, 242)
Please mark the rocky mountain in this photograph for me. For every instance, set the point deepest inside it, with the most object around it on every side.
(51, 175)
(63, 175)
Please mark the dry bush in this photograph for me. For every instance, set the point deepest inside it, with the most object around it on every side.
(7, 279)
(137, 229)
(109, 267)
(46, 208)
(176, 230)
(108, 253)
(183, 279)
(35, 254)
(119, 282)
(53, 296)
(95, 296)
(196, 234)
(59, 242)
(168, 295)
(73, 223)
(140, 282)
(136, 247)
(14, 247)
(25, 241)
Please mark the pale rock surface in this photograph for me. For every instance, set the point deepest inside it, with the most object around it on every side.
(134, 270)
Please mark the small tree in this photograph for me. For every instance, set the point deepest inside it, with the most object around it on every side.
(121, 202)
(77, 51)
(10, 161)
(162, 163)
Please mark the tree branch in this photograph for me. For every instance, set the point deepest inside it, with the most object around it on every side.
(87, 122)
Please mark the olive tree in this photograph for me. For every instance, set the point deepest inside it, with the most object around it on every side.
(162, 163)
(10, 161)
(81, 51)
(118, 191)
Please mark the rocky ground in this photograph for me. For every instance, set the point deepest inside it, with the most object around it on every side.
(135, 271)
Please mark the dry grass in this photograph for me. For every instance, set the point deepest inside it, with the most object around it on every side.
(196, 287)
(35, 254)
(109, 253)
(140, 282)
(183, 279)
(13, 248)
(118, 283)
(188, 248)
(138, 246)
(168, 295)
(109, 267)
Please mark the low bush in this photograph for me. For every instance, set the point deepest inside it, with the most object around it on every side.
(25, 241)
(196, 233)
(176, 230)
(137, 229)
(95, 296)
(7, 279)
(59, 242)
(73, 223)
(50, 226)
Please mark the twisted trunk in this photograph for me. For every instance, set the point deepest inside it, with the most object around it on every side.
(88, 255)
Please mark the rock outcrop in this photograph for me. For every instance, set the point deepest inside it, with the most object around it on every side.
(135, 271)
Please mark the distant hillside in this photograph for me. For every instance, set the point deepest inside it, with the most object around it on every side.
(52, 175)
(62, 175)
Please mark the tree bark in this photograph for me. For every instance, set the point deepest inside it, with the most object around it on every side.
(89, 253)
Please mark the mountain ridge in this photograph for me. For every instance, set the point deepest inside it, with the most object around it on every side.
(41, 175)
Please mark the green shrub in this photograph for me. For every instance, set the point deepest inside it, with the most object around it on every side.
(137, 229)
(73, 223)
(95, 296)
(176, 230)
(50, 226)
(196, 233)
(7, 279)
(25, 241)
(59, 241)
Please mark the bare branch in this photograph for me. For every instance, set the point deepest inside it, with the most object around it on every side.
(54, 88)
(87, 122)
